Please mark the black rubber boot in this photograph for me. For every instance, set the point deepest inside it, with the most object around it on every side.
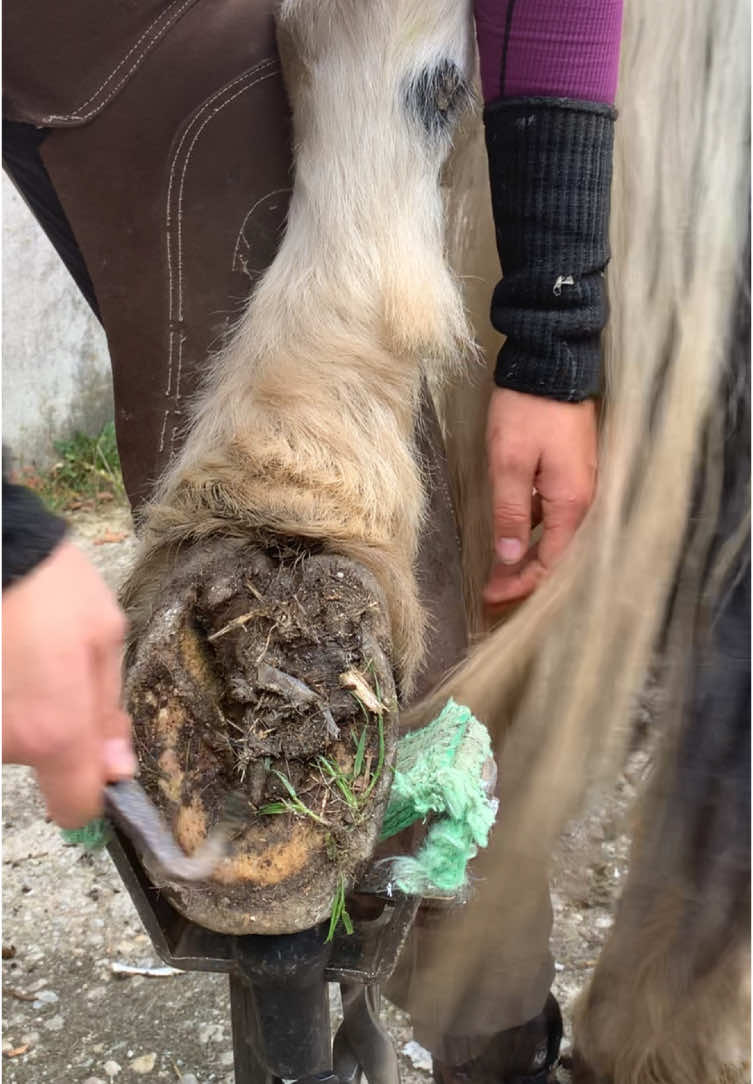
(522, 1055)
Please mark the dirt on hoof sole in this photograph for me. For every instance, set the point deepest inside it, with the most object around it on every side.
(266, 673)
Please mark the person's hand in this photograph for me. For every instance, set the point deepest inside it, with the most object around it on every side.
(542, 468)
(62, 642)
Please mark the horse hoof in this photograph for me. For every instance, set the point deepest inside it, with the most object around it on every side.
(265, 673)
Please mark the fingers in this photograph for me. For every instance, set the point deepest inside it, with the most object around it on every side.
(120, 759)
(515, 507)
(507, 585)
(560, 517)
(70, 775)
(542, 465)
(72, 787)
(61, 684)
(98, 748)
(114, 725)
(512, 474)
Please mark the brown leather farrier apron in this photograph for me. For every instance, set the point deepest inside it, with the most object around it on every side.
(165, 137)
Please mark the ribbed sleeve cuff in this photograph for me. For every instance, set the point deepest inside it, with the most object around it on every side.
(30, 532)
(550, 169)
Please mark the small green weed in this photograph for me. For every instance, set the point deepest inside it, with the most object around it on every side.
(342, 781)
(86, 472)
(353, 787)
(339, 911)
(292, 804)
(360, 751)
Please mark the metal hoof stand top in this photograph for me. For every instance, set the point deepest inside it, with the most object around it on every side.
(279, 994)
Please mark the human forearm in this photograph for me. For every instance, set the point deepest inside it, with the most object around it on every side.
(546, 49)
(30, 532)
(549, 73)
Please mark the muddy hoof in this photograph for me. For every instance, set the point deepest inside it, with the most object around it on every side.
(267, 674)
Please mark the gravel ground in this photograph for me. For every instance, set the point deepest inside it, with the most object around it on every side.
(67, 919)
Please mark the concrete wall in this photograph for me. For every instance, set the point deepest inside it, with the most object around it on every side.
(55, 371)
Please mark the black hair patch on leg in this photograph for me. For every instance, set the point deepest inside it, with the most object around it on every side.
(437, 97)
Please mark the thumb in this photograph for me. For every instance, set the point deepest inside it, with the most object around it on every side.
(114, 724)
(512, 490)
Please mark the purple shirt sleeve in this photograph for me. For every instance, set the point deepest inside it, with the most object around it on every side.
(549, 49)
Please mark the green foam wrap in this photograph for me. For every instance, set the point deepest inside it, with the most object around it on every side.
(438, 775)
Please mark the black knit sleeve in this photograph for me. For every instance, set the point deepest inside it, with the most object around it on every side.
(30, 532)
(550, 168)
